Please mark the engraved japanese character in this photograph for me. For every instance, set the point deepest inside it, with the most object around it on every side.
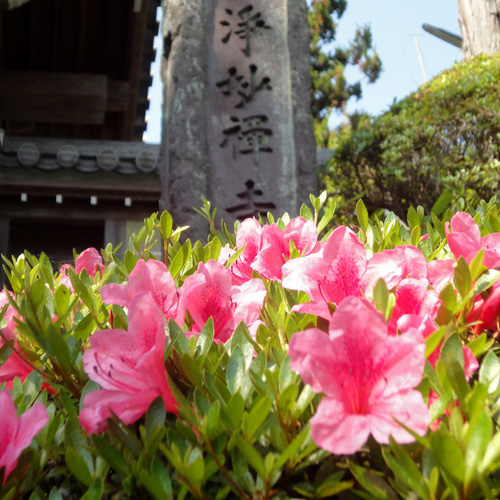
(251, 206)
(248, 138)
(256, 137)
(247, 90)
(244, 27)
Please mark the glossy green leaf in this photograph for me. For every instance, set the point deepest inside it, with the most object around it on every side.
(236, 370)
(362, 215)
(77, 466)
(489, 372)
(448, 454)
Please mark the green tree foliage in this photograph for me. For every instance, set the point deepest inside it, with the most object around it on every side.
(330, 87)
(440, 142)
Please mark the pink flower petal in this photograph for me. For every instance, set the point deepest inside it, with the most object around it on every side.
(336, 430)
(91, 261)
(16, 433)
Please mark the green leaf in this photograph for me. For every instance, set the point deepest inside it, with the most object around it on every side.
(213, 416)
(304, 400)
(81, 289)
(62, 297)
(305, 212)
(442, 202)
(413, 218)
(236, 371)
(404, 467)
(180, 259)
(195, 469)
(229, 262)
(489, 373)
(59, 348)
(381, 298)
(5, 352)
(448, 297)
(250, 454)
(286, 376)
(372, 483)
(55, 494)
(362, 215)
(329, 488)
(130, 260)
(292, 449)
(234, 411)
(110, 454)
(433, 341)
(491, 455)
(480, 344)
(257, 415)
(462, 277)
(95, 491)
(77, 466)
(166, 223)
(213, 249)
(83, 326)
(205, 338)
(453, 359)
(243, 339)
(448, 454)
(327, 217)
(155, 416)
(478, 437)
(415, 235)
(476, 265)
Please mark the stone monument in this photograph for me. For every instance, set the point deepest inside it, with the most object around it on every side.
(236, 127)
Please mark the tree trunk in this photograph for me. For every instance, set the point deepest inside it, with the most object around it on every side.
(480, 24)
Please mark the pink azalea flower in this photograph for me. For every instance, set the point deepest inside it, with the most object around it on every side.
(16, 433)
(248, 235)
(413, 297)
(465, 241)
(153, 277)
(64, 278)
(440, 273)
(90, 260)
(414, 262)
(275, 249)
(367, 376)
(128, 366)
(341, 269)
(486, 311)
(14, 366)
(210, 293)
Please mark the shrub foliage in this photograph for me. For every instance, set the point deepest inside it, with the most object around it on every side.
(442, 140)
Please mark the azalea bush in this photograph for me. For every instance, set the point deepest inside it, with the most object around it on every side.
(280, 360)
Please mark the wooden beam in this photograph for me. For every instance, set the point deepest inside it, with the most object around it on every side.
(53, 97)
(137, 28)
(118, 94)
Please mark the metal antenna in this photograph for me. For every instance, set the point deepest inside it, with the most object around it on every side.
(415, 35)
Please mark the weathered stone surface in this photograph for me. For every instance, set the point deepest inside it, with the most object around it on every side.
(305, 143)
(237, 126)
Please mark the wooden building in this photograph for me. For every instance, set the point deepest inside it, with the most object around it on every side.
(74, 80)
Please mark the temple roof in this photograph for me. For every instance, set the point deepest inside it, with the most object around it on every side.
(78, 69)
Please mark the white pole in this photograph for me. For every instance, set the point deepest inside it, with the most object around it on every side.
(420, 57)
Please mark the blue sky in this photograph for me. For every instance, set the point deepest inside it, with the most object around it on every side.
(393, 23)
